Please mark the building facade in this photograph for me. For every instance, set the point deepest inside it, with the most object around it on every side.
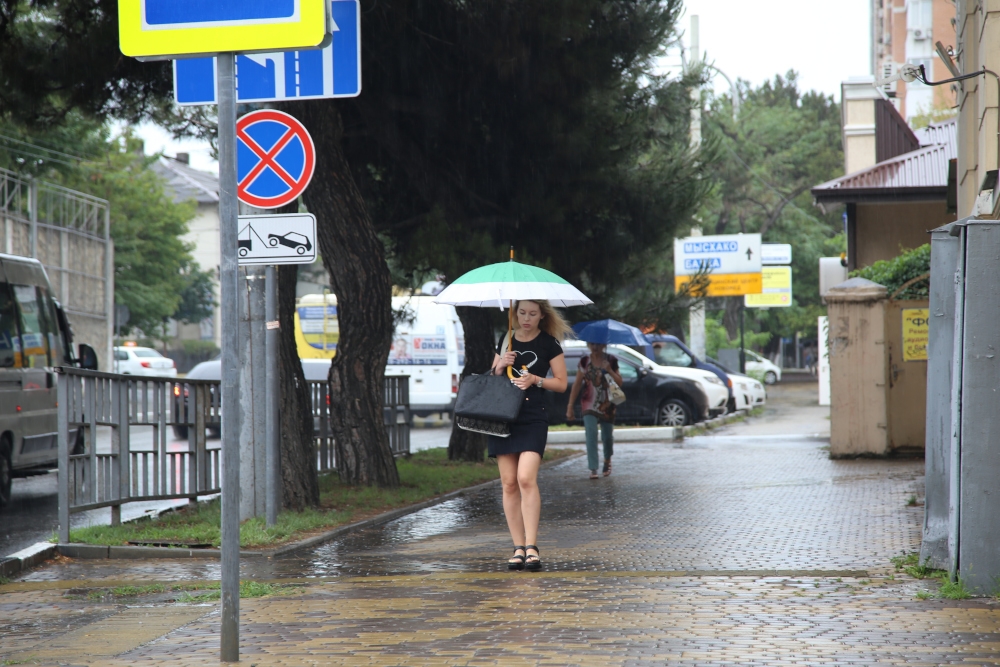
(906, 32)
(187, 184)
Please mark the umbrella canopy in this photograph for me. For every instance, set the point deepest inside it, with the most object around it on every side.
(607, 332)
(499, 284)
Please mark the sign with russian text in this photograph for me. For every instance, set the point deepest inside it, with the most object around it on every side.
(776, 289)
(730, 264)
(916, 331)
(418, 350)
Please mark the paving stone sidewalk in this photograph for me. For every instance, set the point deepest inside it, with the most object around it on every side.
(723, 550)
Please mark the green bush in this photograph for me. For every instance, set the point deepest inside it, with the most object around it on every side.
(894, 273)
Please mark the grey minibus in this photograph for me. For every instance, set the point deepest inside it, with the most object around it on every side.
(35, 338)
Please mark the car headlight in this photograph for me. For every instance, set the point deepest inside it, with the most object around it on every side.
(715, 380)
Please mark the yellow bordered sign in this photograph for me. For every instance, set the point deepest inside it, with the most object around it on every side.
(162, 28)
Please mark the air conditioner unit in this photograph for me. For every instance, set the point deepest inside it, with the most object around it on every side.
(921, 34)
(888, 69)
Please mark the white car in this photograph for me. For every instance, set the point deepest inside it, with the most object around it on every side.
(747, 392)
(133, 360)
(769, 371)
(716, 392)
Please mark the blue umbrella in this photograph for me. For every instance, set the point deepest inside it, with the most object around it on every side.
(607, 332)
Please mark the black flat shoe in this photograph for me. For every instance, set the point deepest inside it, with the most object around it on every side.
(516, 561)
(532, 563)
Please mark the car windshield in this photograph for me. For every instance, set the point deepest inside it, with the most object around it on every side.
(669, 353)
(145, 352)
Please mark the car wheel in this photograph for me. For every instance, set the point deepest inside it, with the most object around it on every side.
(180, 431)
(673, 412)
(272, 242)
(301, 250)
(770, 377)
(6, 472)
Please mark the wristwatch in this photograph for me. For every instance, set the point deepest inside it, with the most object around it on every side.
(539, 383)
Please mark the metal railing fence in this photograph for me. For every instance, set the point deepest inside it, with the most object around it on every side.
(120, 450)
(120, 446)
(395, 415)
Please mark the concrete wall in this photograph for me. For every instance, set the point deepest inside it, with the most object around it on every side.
(883, 230)
(858, 424)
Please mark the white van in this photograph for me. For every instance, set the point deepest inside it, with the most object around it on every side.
(429, 346)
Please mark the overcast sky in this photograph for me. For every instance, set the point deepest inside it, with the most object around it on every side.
(825, 42)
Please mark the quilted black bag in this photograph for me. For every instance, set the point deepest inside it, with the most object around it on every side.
(487, 404)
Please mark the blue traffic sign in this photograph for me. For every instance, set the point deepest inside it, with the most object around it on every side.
(185, 12)
(334, 71)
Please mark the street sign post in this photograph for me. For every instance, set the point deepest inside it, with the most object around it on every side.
(277, 239)
(331, 72)
(732, 262)
(278, 169)
(161, 29)
(275, 158)
(776, 289)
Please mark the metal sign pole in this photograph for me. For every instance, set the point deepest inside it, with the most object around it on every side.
(273, 491)
(229, 287)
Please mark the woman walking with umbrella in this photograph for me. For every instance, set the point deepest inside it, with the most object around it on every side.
(591, 385)
(534, 348)
(526, 354)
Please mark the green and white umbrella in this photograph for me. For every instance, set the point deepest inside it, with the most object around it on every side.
(497, 285)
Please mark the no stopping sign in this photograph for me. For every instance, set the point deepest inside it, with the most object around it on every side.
(275, 158)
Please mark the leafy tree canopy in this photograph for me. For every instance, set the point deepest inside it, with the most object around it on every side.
(155, 275)
(782, 143)
(537, 124)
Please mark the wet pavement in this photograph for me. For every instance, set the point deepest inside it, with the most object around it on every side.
(732, 549)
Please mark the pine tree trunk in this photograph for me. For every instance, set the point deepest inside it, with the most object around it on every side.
(299, 480)
(355, 258)
(480, 347)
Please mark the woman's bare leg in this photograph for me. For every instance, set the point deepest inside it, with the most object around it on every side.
(508, 464)
(531, 500)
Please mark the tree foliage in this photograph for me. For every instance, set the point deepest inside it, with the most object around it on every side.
(534, 124)
(155, 275)
(782, 143)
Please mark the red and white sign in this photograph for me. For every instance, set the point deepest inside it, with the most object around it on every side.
(275, 158)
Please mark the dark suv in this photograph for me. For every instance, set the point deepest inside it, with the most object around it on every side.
(651, 398)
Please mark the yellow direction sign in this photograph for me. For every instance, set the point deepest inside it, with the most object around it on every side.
(916, 331)
(164, 28)
(730, 264)
(776, 292)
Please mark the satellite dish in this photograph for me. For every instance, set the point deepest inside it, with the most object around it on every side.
(908, 73)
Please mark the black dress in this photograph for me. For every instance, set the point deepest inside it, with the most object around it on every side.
(530, 432)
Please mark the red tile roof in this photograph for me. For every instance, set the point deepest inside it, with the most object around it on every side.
(918, 175)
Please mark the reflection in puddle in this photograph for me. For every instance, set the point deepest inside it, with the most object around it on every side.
(438, 520)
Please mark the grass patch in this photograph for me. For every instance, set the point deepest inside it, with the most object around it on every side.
(126, 591)
(423, 476)
(203, 592)
(911, 501)
(948, 590)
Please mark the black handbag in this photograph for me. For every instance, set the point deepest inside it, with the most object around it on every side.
(487, 404)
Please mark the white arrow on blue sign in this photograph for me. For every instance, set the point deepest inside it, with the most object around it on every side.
(334, 71)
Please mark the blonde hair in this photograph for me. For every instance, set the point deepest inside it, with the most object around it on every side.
(552, 321)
